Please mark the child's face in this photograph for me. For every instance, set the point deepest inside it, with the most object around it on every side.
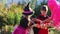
(43, 12)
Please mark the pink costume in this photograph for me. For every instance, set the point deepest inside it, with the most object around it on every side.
(54, 6)
(20, 30)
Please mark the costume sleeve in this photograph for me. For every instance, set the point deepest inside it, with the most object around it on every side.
(17, 31)
(52, 4)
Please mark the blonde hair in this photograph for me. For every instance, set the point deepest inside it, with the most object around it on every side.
(45, 8)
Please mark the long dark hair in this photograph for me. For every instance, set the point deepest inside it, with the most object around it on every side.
(24, 22)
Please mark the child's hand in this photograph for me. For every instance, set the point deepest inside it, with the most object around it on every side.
(34, 25)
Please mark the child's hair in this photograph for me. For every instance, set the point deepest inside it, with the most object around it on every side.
(44, 8)
(24, 22)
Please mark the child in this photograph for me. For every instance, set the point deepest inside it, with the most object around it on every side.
(24, 22)
(41, 20)
(42, 17)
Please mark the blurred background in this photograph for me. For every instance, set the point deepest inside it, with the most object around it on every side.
(11, 12)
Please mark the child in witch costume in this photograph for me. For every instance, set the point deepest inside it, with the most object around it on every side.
(24, 22)
(42, 21)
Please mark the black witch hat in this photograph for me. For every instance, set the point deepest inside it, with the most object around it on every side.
(27, 10)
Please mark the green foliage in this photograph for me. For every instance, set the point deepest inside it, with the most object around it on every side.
(33, 2)
(17, 18)
(37, 11)
(14, 16)
(11, 15)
